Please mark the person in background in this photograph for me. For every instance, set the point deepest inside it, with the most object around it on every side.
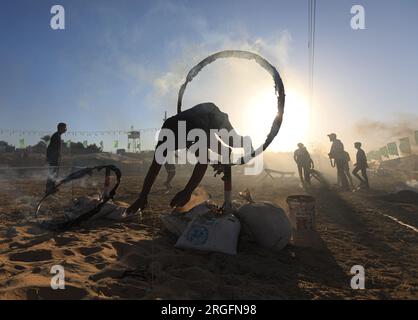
(347, 171)
(171, 172)
(304, 162)
(53, 156)
(361, 165)
(337, 153)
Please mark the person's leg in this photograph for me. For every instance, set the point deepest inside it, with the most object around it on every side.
(366, 179)
(52, 177)
(341, 173)
(347, 172)
(307, 174)
(300, 173)
(171, 172)
(355, 173)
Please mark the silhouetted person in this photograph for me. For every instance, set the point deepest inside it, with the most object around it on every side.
(337, 153)
(53, 156)
(361, 165)
(305, 164)
(171, 172)
(347, 171)
(205, 116)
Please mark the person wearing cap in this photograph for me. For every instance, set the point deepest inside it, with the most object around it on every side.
(337, 153)
(304, 162)
(361, 165)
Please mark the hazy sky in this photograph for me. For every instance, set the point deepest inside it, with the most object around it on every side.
(120, 63)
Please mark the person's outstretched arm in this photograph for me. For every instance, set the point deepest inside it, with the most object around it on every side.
(142, 200)
(181, 198)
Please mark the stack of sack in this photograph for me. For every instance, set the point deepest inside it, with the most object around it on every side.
(202, 228)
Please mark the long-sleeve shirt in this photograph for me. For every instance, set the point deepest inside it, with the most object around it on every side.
(337, 151)
(53, 152)
(361, 158)
(302, 157)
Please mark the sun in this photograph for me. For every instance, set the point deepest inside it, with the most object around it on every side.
(260, 111)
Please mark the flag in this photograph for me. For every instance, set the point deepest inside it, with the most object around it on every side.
(22, 143)
(384, 151)
(416, 137)
(116, 144)
(393, 149)
(404, 146)
(85, 143)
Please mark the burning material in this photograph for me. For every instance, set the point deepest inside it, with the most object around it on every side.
(93, 208)
(82, 205)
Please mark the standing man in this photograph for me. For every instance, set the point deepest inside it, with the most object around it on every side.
(338, 154)
(304, 161)
(361, 165)
(53, 156)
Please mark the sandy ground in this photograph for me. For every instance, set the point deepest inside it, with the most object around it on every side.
(137, 260)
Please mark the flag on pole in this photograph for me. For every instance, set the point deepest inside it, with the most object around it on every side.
(393, 149)
(404, 146)
(85, 143)
(384, 151)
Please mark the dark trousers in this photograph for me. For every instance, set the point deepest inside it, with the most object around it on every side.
(52, 176)
(306, 170)
(363, 171)
(341, 165)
